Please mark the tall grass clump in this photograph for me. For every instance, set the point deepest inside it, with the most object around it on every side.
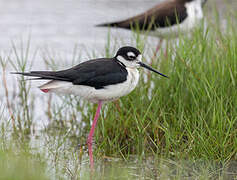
(19, 60)
(192, 114)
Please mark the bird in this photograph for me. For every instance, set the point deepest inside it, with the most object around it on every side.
(166, 20)
(97, 80)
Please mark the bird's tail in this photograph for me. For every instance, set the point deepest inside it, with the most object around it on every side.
(47, 75)
(55, 83)
(112, 24)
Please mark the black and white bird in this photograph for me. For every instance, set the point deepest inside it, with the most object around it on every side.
(97, 80)
(165, 20)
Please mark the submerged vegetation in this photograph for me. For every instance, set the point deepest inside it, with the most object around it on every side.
(181, 127)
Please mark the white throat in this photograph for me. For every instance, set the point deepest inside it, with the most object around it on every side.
(194, 9)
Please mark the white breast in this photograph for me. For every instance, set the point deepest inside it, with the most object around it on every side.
(108, 93)
(195, 14)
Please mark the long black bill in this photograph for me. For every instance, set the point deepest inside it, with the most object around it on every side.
(151, 69)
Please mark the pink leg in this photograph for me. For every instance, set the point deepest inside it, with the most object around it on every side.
(89, 140)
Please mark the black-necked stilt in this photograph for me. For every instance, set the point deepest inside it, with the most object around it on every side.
(97, 80)
(166, 19)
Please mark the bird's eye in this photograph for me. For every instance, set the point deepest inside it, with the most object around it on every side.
(131, 57)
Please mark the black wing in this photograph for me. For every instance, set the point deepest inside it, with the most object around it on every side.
(95, 73)
(165, 14)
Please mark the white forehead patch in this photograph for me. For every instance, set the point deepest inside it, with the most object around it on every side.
(139, 57)
(131, 54)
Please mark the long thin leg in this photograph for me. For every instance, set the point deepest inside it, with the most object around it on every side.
(90, 137)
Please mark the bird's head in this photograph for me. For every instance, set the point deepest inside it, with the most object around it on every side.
(131, 57)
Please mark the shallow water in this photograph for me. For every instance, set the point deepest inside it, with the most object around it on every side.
(64, 160)
(62, 24)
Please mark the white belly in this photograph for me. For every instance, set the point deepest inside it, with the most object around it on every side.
(108, 93)
(195, 14)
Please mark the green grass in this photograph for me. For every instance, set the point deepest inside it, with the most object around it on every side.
(192, 114)
(184, 126)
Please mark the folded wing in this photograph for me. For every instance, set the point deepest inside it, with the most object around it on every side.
(165, 14)
(95, 73)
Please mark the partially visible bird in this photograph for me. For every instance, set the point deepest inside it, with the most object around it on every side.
(165, 20)
(97, 80)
